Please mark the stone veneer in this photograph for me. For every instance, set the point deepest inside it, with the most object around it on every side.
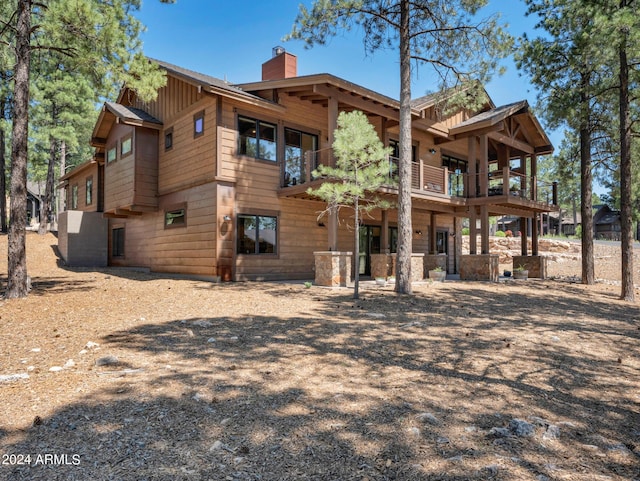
(479, 267)
(384, 265)
(536, 265)
(333, 268)
(431, 261)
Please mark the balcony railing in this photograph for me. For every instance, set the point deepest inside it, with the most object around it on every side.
(439, 181)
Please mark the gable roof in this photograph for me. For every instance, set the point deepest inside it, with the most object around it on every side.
(130, 115)
(214, 85)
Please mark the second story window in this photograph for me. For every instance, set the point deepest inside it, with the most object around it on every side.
(111, 154)
(126, 146)
(168, 139)
(198, 124)
(257, 138)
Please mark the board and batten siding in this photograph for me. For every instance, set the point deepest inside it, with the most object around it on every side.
(172, 99)
(190, 161)
(119, 186)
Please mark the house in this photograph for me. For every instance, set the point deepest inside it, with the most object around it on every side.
(211, 178)
(606, 223)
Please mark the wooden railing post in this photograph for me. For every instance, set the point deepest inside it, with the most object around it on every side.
(307, 165)
(506, 173)
(445, 181)
(534, 188)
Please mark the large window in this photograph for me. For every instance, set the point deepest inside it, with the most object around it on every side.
(89, 191)
(457, 168)
(257, 138)
(117, 242)
(296, 144)
(257, 234)
(111, 154)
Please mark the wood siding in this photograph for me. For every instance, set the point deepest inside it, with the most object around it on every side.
(172, 99)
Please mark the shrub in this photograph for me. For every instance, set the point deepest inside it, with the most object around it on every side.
(500, 234)
(508, 233)
(465, 231)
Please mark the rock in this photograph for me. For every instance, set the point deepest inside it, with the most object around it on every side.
(499, 432)
(428, 418)
(202, 323)
(55, 369)
(211, 340)
(491, 470)
(91, 345)
(552, 432)
(13, 377)
(413, 431)
(35, 349)
(107, 361)
(69, 364)
(521, 428)
(217, 446)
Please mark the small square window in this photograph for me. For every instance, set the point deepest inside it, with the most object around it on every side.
(111, 154)
(198, 124)
(126, 146)
(175, 218)
(168, 139)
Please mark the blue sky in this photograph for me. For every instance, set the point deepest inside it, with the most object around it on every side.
(231, 40)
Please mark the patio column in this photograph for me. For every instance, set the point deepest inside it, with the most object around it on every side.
(534, 234)
(432, 234)
(534, 177)
(523, 235)
(385, 248)
(332, 123)
(484, 166)
(473, 231)
(472, 158)
(332, 230)
(484, 229)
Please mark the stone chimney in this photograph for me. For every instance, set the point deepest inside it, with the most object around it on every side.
(281, 65)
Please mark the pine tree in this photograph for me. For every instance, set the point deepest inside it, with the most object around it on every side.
(446, 35)
(362, 167)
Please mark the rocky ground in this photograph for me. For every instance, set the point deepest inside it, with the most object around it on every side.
(116, 374)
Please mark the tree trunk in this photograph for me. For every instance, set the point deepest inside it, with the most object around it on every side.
(3, 177)
(46, 204)
(356, 251)
(586, 187)
(17, 254)
(403, 256)
(63, 169)
(626, 211)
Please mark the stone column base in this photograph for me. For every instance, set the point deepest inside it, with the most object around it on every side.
(479, 267)
(431, 261)
(333, 268)
(383, 265)
(536, 265)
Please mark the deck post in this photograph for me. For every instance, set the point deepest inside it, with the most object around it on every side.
(432, 234)
(534, 234)
(473, 231)
(332, 125)
(472, 191)
(484, 166)
(421, 175)
(384, 235)
(484, 228)
(534, 177)
(332, 229)
(523, 235)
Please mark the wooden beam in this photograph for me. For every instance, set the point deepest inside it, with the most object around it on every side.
(516, 144)
(358, 102)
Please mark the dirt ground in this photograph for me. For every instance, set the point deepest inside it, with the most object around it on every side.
(115, 374)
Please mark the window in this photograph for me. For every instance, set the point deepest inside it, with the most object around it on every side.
(175, 217)
(89, 191)
(296, 144)
(257, 138)
(257, 234)
(457, 168)
(395, 150)
(117, 242)
(111, 154)
(198, 124)
(168, 139)
(74, 196)
(126, 146)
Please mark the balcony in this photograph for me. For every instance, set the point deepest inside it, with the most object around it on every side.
(437, 184)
